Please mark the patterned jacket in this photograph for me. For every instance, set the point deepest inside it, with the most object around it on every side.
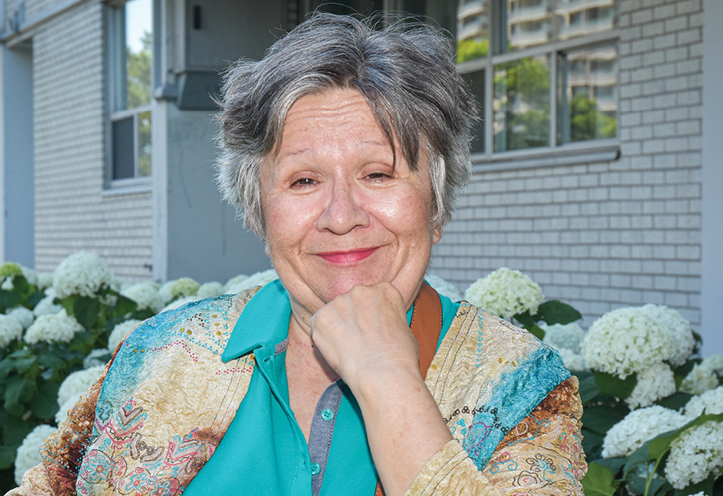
(164, 402)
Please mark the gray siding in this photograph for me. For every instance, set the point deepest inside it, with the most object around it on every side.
(605, 235)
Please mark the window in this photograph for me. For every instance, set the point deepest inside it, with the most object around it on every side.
(131, 62)
(544, 71)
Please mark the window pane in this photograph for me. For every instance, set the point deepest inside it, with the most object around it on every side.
(583, 17)
(587, 93)
(522, 104)
(123, 163)
(138, 45)
(144, 144)
(473, 26)
(346, 7)
(528, 22)
(476, 82)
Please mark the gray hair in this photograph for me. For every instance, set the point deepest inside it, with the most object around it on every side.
(406, 73)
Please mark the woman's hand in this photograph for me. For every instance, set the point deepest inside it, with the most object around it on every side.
(363, 335)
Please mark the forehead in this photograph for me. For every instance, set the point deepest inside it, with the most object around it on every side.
(333, 114)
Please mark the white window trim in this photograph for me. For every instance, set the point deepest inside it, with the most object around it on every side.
(136, 184)
(554, 154)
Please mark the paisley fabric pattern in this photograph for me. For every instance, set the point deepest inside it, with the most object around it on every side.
(166, 399)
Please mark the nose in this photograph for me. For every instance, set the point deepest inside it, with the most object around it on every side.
(343, 211)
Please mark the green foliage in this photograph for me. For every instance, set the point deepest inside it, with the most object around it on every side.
(613, 386)
(599, 481)
(471, 49)
(30, 375)
(139, 73)
(587, 122)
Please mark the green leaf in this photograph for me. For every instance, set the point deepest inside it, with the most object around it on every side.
(34, 299)
(536, 331)
(45, 402)
(24, 353)
(8, 299)
(86, 311)
(639, 456)
(6, 366)
(707, 486)
(68, 303)
(588, 389)
(557, 312)
(601, 418)
(592, 443)
(7, 456)
(525, 318)
(675, 401)
(19, 391)
(123, 305)
(614, 386)
(661, 444)
(614, 464)
(23, 364)
(50, 360)
(599, 481)
(15, 430)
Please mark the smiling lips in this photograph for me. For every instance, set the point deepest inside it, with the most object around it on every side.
(345, 258)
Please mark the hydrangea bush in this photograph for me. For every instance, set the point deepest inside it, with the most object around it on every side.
(653, 411)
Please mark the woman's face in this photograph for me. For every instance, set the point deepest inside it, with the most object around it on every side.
(338, 212)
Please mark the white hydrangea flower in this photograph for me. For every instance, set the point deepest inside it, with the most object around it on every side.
(146, 296)
(654, 383)
(713, 363)
(165, 291)
(696, 454)
(23, 315)
(45, 280)
(7, 284)
(505, 292)
(624, 341)
(257, 279)
(97, 358)
(179, 303)
(28, 454)
(81, 273)
(62, 413)
(709, 403)
(120, 331)
(699, 380)
(184, 287)
(233, 281)
(572, 360)
(30, 275)
(10, 330)
(445, 288)
(78, 383)
(46, 305)
(679, 328)
(560, 336)
(638, 427)
(210, 290)
(59, 327)
(699, 494)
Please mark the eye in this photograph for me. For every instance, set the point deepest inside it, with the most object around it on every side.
(303, 182)
(378, 176)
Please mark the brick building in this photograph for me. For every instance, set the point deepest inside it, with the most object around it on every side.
(597, 165)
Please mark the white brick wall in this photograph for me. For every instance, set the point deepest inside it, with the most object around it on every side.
(605, 235)
(69, 93)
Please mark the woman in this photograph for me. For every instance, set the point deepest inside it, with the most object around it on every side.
(344, 148)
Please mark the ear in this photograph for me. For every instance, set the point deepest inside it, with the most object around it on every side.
(436, 234)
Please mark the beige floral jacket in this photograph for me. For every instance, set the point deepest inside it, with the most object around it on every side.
(164, 402)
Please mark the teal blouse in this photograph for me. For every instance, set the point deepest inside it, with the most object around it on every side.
(264, 451)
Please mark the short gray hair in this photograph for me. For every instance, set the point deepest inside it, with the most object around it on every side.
(406, 73)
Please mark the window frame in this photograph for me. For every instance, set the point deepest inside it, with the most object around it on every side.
(553, 153)
(115, 39)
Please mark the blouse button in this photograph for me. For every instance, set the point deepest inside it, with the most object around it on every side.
(315, 468)
(327, 414)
